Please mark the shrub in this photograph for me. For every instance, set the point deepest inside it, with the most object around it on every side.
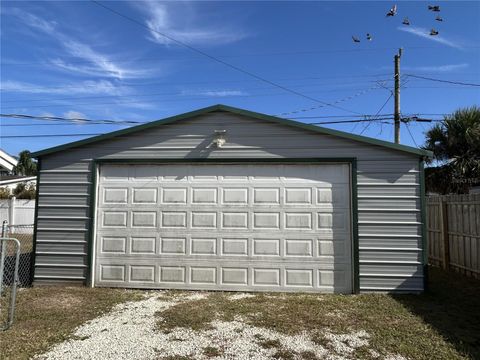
(5, 193)
(25, 191)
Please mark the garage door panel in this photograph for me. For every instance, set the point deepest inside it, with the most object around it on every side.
(225, 276)
(213, 246)
(281, 227)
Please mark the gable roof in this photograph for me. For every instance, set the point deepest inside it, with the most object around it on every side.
(7, 161)
(237, 111)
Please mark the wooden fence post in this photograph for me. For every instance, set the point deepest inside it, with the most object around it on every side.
(444, 231)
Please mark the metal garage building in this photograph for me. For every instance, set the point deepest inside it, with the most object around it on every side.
(228, 199)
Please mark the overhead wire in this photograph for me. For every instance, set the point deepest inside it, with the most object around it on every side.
(93, 134)
(84, 121)
(178, 93)
(214, 58)
(274, 53)
(411, 135)
(335, 102)
(72, 119)
(381, 108)
(442, 80)
(183, 98)
(95, 84)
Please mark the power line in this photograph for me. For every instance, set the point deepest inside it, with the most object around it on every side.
(275, 53)
(71, 119)
(61, 124)
(377, 119)
(336, 77)
(83, 121)
(236, 68)
(350, 121)
(76, 123)
(23, 101)
(408, 128)
(93, 134)
(336, 116)
(320, 106)
(186, 98)
(441, 80)
(174, 94)
(378, 112)
(73, 86)
(46, 135)
(413, 117)
(123, 122)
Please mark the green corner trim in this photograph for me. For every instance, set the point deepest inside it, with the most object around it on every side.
(91, 222)
(35, 223)
(423, 214)
(354, 211)
(356, 247)
(237, 111)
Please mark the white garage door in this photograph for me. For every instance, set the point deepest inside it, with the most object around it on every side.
(267, 227)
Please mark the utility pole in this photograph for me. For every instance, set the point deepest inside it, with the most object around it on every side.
(397, 96)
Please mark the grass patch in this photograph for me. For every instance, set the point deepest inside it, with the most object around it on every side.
(283, 354)
(48, 315)
(269, 344)
(445, 321)
(210, 351)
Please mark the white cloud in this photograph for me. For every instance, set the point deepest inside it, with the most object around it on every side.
(425, 33)
(173, 23)
(34, 21)
(95, 63)
(214, 93)
(72, 114)
(437, 68)
(85, 87)
(139, 105)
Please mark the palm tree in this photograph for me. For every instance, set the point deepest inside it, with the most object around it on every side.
(455, 143)
(25, 166)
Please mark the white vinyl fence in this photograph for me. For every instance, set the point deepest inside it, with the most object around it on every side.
(17, 211)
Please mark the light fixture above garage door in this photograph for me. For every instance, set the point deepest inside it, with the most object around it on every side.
(219, 138)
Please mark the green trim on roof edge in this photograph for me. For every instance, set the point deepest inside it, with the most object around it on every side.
(247, 113)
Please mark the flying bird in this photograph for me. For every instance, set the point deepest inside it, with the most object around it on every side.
(438, 18)
(406, 21)
(355, 39)
(433, 32)
(369, 37)
(434, 8)
(392, 11)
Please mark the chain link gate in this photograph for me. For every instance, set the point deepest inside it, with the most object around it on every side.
(9, 264)
(24, 234)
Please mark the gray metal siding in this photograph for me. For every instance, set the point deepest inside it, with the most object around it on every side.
(390, 246)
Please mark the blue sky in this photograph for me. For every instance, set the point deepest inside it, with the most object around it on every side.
(76, 59)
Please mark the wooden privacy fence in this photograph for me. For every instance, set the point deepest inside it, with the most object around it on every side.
(453, 230)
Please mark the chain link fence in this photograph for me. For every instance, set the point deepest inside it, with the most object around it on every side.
(24, 234)
(9, 263)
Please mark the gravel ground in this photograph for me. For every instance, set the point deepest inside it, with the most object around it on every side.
(128, 332)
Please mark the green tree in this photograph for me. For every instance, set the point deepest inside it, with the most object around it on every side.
(5, 193)
(24, 191)
(455, 143)
(25, 166)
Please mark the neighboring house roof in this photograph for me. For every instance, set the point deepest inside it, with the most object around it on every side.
(18, 180)
(248, 113)
(7, 161)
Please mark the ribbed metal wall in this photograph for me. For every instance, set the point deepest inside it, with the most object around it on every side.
(390, 243)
